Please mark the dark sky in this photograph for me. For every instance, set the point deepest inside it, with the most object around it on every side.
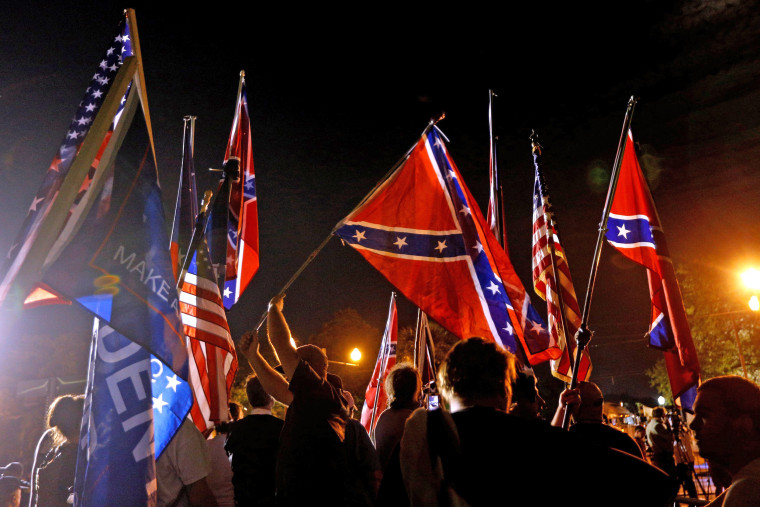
(337, 95)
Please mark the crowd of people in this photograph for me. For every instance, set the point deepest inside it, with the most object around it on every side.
(487, 446)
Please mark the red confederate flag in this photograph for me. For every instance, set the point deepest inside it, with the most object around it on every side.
(376, 398)
(423, 231)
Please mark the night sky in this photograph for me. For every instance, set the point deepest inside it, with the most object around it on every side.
(337, 95)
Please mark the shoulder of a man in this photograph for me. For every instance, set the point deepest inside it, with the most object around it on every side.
(187, 454)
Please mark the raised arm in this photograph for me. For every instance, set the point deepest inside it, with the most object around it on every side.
(279, 335)
(270, 379)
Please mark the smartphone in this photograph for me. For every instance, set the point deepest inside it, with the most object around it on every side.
(432, 402)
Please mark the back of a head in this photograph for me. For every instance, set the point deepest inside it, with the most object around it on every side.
(738, 396)
(403, 385)
(476, 369)
(257, 396)
(524, 388)
(315, 356)
(592, 403)
(65, 416)
(236, 409)
(658, 412)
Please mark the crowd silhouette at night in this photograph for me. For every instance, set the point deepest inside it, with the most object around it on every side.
(490, 445)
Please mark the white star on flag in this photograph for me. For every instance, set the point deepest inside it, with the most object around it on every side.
(509, 329)
(538, 328)
(493, 288)
(465, 210)
(622, 231)
(478, 246)
(441, 246)
(159, 403)
(400, 242)
(173, 382)
(359, 236)
(227, 292)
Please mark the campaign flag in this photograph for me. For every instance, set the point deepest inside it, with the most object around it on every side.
(634, 229)
(213, 360)
(375, 398)
(119, 49)
(117, 266)
(243, 223)
(552, 281)
(133, 406)
(423, 231)
(186, 208)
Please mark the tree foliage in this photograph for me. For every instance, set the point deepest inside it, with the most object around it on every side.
(719, 317)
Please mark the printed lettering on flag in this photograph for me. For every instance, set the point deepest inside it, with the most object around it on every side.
(213, 360)
(634, 229)
(119, 49)
(375, 398)
(117, 266)
(133, 406)
(548, 254)
(424, 232)
(243, 223)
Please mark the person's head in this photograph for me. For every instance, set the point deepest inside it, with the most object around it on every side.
(658, 413)
(10, 491)
(403, 386)
(236, 411)
(526, 400)
(476, 372)
(350, 403)
(65, 417)
(14, 469)
(316, 358)
(726, 421)
(592, 403)
(639, 431)
(257, 396)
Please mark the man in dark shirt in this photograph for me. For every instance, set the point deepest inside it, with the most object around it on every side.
(311, 464)
(252, 444)
(586, 404)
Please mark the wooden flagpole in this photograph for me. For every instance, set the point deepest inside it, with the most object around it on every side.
(584, 335)
(30, 271)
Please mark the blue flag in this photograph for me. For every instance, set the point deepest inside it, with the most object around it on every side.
(133, 406)
(117, 266)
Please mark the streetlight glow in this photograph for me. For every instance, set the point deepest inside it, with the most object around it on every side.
(661, 400)
(754, 304)
(751, 278)
(356, 355)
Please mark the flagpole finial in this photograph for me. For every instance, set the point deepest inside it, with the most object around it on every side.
(242, 73)
(189, 117)
(434, 121)
(534, 142)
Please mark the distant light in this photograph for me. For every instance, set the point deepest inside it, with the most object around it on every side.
(356, 355)
(661, 400)
(751, 279)
(754, 304)
(293, 343)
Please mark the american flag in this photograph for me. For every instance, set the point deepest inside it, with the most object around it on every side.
(243, 222)
(548, 254)
(120, 48)
(213, 361)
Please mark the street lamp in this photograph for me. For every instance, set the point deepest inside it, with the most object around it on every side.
(754, 304)
(751, 278)
(661, 400)
(356, 355)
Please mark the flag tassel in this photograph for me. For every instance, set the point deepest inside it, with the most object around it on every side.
(584, 335)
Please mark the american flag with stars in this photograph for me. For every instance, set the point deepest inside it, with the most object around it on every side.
(120, 48)
(548, 254)
(213, 361)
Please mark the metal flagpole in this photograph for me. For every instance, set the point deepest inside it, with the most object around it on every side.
(584, 335)
(371, 193)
